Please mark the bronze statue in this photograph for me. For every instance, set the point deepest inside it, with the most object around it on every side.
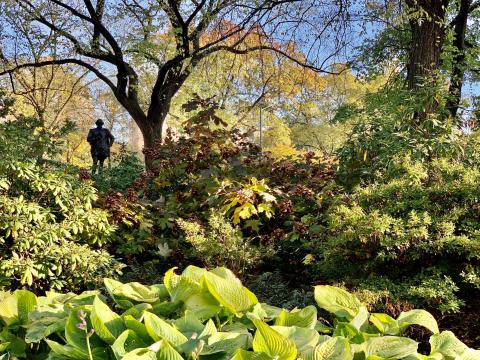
(100, 140)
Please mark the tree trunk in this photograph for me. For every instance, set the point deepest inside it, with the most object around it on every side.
(426, 42)
(458, 69)
(151, 130)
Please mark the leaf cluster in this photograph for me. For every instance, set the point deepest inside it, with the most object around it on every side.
(204, 314)
(417, 228)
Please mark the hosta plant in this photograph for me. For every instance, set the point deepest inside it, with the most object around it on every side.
(202, 314)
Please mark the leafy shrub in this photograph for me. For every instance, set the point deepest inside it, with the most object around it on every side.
(126, 168)
(384, 127)
(418, 227)
(272, 289)
(275, 203)
(51, 235)
(220, 244)
(204, 314)
(26, 138)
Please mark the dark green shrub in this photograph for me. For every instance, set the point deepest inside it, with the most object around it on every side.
(125, 169)
(272, 289)
(51, 236)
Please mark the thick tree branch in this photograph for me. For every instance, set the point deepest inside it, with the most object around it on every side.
(84, 64)
(103, 30)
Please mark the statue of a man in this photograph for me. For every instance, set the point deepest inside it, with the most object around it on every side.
(100, 140)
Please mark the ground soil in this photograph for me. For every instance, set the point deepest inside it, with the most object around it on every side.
(465, 324)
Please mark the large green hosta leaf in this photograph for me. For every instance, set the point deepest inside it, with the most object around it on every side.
(302, 337)
(16, 346)
(306, 317)
(14, 308)
(337, 301)
(136, 326)
(226, 342)
(447, 344)
(193, 273)
(250, 355)
(360, 321)
(385, 324)
(127, 342)
(189, 324)
(4, 347)
(186, 288)
(39, 329)
(70, 352)
(159, 329)
(418, 317)
(390, 347)
(424, 357)
(208, 330)
(107, 324)
(85, 298)
(336, 348)
(138, 310)
(75, 336)
(229, 291)
(273, 343)
(469, 354)
(127, 295)
(161, 350)
(180, 287)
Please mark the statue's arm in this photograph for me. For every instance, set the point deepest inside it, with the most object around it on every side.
(90, 137)
(111, 138)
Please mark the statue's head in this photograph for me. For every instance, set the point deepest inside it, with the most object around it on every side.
(99, 122)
